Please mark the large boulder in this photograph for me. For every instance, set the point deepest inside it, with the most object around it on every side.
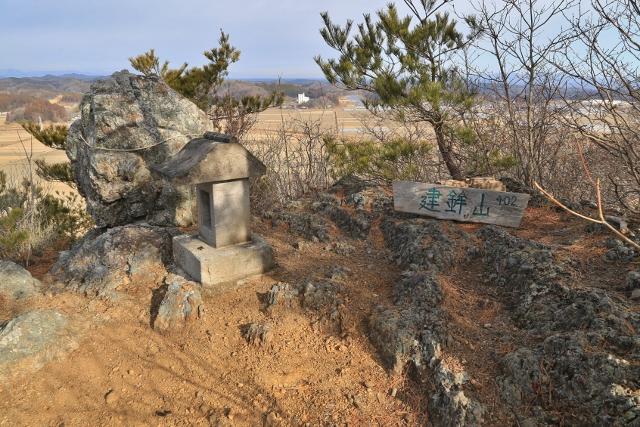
(33, 339)
(16, 282)
(129, 124)
(120, 259)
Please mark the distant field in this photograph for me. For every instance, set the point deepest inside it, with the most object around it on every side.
(12, 154)
(344, 120)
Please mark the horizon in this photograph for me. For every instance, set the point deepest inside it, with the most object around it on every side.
(26, 74)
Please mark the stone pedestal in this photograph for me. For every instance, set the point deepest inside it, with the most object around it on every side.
(215, 267)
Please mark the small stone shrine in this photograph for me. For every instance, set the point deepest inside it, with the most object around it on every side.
(224, 250)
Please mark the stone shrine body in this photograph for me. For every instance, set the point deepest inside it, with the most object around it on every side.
(225, 250)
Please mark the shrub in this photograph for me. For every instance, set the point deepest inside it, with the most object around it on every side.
(31, 220)
(380, 161)
(72, 98)
(11, 236)
(297, 161)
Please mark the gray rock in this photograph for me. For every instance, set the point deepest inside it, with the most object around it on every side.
(357, 200)
(257, 334)
(449, 405)
(412, 333)
(421, 242)
(340, 248)
(309, 225)
(523, 374)
(399, 333)
(633, 280)
(181, 303)
(130, 112)
(338, 272)
(322, 296)
(618, 222)
(105, 263)
(282, 294)
(355, 224)
(394, 334)
(618, 251)
(16, 282)
(34, 338)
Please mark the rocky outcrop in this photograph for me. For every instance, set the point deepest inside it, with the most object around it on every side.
(181, 303)
(106, 263)
(322, 298)
(281, 294)
(128, 125)
(16, 282)
(309, 225)
(396, 332)
(33, 339)
(354, 222)
(420, 242)
(618, 251)
(587, 352)
(413, 332)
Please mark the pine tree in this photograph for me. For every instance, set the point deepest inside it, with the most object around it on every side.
(407, 63)
(200, 85)
(53, 136)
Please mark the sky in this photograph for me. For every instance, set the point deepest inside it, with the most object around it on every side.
(277, 38)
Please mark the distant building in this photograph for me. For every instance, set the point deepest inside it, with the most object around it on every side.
(303, 99)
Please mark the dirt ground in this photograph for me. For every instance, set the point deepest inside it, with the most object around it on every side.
(125, 373)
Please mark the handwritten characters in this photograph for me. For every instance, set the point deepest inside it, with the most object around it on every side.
(430, 201)
(457, 201)
(507, 200)
(482, 209)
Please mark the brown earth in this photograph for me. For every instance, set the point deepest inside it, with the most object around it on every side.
(311, 373)
(307, 374)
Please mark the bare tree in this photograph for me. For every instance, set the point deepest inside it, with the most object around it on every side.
(297, 160)
(523, 87)
(603, 62)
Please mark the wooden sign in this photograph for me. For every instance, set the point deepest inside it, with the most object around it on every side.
(460, 204)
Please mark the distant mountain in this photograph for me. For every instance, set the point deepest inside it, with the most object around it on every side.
(298, 81)
(49, 84)
(240, 88)
(12, 72)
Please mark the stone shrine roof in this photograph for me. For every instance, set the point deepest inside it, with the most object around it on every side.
(212, 158)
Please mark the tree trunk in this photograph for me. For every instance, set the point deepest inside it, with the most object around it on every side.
(447, 153)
